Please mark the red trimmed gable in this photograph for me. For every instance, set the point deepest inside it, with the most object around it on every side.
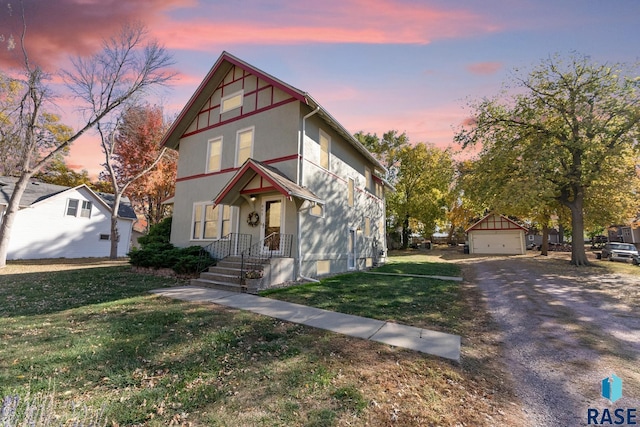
(495, 222)
(228, 75)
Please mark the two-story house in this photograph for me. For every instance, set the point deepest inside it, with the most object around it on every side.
(260, 159)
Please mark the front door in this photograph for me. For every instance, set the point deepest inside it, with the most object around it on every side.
(273, 214)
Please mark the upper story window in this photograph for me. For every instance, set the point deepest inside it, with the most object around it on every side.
(231, 102)
(379, 191)
(325, 149)
(85, 211)
(368, 181)
(244, 145)
(214, 156)
(74, 207)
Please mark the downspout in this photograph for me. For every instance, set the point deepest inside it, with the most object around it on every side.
(299, 181)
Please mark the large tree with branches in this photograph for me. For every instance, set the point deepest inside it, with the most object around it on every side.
(574, 126)
(126, 66)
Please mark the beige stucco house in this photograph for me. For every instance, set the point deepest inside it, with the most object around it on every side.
(262, 161)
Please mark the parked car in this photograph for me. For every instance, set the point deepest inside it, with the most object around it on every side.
(614, 251)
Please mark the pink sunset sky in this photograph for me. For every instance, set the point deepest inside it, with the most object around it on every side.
(375, 65)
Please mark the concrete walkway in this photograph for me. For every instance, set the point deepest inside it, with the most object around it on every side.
(423, 340)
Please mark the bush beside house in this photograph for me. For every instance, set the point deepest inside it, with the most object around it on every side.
(157, 253)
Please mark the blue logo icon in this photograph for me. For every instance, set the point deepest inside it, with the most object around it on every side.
(612, 388)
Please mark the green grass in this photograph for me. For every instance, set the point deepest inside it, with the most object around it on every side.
(417, 301)
(99, 339)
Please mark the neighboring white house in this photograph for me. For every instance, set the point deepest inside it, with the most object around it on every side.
(259, 157)
(498, 235)
(61, 222)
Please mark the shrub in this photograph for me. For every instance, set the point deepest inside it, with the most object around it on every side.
(156, 252)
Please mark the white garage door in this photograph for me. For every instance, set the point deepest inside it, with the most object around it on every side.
(502, 242)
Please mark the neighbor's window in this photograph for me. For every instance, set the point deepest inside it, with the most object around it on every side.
(72, 207)
(86, 209)
(231, 102)
(350, 190)
(244, 145)
(214, 162)
(325, 148)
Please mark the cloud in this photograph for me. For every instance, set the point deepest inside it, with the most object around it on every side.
(58, 29)
(484, 68)
(62, 28)
(332, 21)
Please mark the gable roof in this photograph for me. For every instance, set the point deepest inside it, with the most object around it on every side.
(272, 175)
(217, 73)
(39, 191)
(493, 221)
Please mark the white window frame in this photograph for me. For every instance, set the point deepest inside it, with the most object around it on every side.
(77, 208)
(224, 108)
(209, 144)
(85, 207)
(328, 138)
(220, 221)
(253, 138)
(316, 213)
(351, 192)
(368, 178)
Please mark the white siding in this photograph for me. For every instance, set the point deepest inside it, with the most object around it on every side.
(44, 230)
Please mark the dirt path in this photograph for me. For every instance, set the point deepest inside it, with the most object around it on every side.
(563, 331)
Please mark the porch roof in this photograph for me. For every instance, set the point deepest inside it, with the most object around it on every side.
(278, 181)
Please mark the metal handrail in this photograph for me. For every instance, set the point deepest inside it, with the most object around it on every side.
(275, 245)
(231, 244)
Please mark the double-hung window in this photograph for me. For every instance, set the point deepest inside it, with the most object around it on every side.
(75, 208)
(325, 149)
(214, 156)
(85, 211)
(72, 207)
(210, 221)
(244, 145)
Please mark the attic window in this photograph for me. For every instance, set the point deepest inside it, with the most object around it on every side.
(72, 207)
(231, 102)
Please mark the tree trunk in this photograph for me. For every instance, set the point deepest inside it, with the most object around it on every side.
(544, 248)
(115, 236)
(405, 232)
(578, 254)
(10, 216)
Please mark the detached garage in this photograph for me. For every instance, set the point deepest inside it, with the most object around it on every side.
(497, 235)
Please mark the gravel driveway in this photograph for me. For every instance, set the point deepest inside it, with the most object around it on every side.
(563, 330)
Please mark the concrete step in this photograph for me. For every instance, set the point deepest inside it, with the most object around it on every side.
(232, 271)
(231, 287)
(221, 277)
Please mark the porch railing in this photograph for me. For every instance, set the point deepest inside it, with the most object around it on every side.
(231, 244)
(275, 245)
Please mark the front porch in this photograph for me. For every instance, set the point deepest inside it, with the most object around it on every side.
(245, 267)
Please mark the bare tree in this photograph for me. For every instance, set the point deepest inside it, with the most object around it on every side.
(127, 131)
(126, 66)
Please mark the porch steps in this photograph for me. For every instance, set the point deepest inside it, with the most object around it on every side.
(225, 275)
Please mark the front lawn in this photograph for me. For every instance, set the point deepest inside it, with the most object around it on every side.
(417, 301)
(95, 337)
